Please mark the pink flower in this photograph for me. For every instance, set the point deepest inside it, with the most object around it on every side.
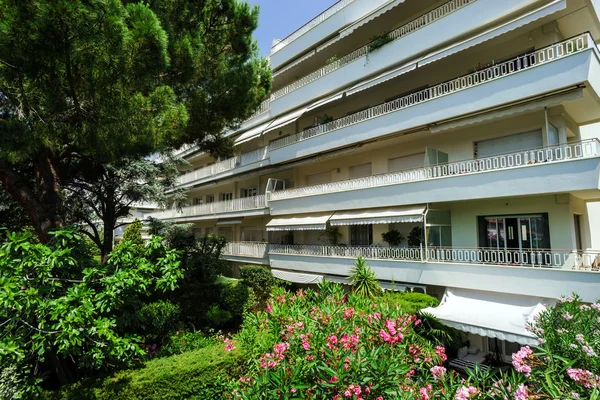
(391, 326)
(441, 352)
(438, 372)
(269, 308)
(465, 393)
(424, 395)
(519, 360)
(349, 313)
(583, 377)
(567, 316)
(229, 346)
(521, 393)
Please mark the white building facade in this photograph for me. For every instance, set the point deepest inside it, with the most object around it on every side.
(456, 124)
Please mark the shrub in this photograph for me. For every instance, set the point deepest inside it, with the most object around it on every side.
(201, 374)
(158, 319)
(217, 317)
(393, 237)
(184, 342)
(364, 280)
(259, 279)
(409, 302)
(237, 298)
(416, 237)
(133, 233)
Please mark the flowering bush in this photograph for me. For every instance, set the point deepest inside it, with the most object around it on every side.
(330, 345)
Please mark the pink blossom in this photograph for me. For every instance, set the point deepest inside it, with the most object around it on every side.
(424, 395)
(521, 393)
(584, 377)
(269, 308)
(441, 352)
(391, 326)
(229, 346)
(438, 372)
(567, 316)
(465, 393)
(349, 313)
(519, 360)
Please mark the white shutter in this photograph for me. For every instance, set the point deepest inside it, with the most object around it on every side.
(317, 179)
(360, 171)
(406, 162)
(508, 144)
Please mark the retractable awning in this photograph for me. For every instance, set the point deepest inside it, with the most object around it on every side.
(309, 222)
(286, 119)
(394, 287)
(253, 133)
(296, 277)
(538, 13)
(381, 78)
(229, 221)
(389, 215)
(327, 100)
(371, 16)
(496, 315)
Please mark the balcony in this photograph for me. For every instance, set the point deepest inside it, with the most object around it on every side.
(543, 273)
(246, 252)
(562, 65)
(356, 67)
(562, 168)
(237, 164)
(248, 206)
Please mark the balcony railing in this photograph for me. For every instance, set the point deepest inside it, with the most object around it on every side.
(263, 108)
(542, 258)
(310, 25)
(245, 204)
(544, 155)
(246, 249)
(225, 165)
(414, 25)
(515, 65)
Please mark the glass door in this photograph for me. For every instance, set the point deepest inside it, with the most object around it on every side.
(523, 232)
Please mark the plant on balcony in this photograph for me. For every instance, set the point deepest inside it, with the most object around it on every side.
(331, 235)
(416, 237)
(392, 237)
(326, 119)
(331, 60)
(379, 41)
(364, 281)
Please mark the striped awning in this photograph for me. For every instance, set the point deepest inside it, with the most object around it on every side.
(297, 277)
(374, 216)
(229, 221)
(252, 133)
(305, 222)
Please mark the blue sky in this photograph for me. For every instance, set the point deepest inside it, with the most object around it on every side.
(279, 18)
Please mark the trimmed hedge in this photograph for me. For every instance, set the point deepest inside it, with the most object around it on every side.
(201, 374)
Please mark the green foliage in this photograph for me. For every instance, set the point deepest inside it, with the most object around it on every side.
(416, 237)
(201, 374)
(13, 383)
(259, 279)
(133, 233)
(331, 60)
(331, 235)
(158, 319)
(183, 342)
(392, 237)
(379, 41)
(237, 298)
(217, 317)
(409, 302)
(68, 304)
(364, 280)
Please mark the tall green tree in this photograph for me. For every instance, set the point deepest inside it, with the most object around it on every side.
(108, 80)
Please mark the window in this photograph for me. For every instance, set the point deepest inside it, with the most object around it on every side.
(406, 162)
(210, 198)
(361, 235)
(520, 232)
(248, 192)
(508, 144)
(552, 135)
(360, 171)
(226, 196)
(577, 221)
(198, 201)
(503, 348)
(208, 231)
(317, 179)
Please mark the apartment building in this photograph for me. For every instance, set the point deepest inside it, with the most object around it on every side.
(456, 125)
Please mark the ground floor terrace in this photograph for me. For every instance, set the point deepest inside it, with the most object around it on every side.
(532, 245)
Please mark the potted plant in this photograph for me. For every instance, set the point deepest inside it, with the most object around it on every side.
(393, 237)
(416, 237)
(331, 235)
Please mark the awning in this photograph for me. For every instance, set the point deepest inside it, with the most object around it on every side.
(229, 221)
(252, 133)
(296, 277)
(510, 111)
(286, 119)
(371, 16)
(394, 287)
(327, 100)
(390, 215)
(496, 315)
(386, 76)
(309, 222)
(540, 12)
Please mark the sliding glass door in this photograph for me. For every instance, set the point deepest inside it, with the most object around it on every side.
(519, 232)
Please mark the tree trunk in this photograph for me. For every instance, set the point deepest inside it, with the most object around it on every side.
(42, 200)
(108, 219)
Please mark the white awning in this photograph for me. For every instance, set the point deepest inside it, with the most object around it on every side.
(386, 76)
(286, 119)
(296, 277)
(327, 100)
(229, 221)
(540, 12)
(309, 222)
(510, 111)
(252, 133)
(496, 315)
(390, 215)
(371, 16)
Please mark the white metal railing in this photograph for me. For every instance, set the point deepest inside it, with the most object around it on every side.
(414, 25)
(544, 155)
(244, 204)
(544, 258)
(515, 65)
(263, 108)
(246, 249)
(225, 165)
(310, 25)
